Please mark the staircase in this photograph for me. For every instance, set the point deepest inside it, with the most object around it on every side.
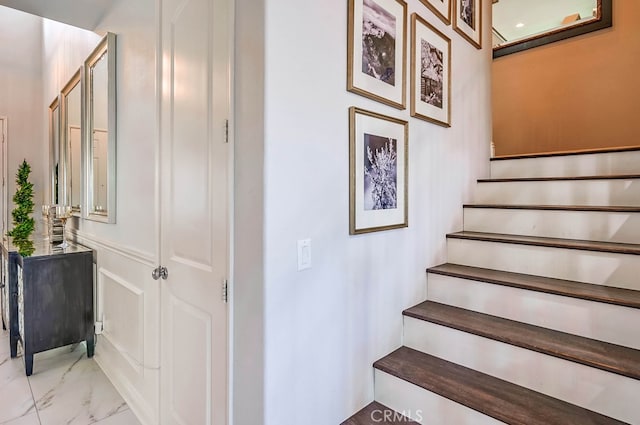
(535, 319)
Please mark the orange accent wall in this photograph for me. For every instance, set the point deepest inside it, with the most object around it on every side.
(580, 93)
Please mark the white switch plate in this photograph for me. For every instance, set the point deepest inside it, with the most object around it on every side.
(304, 254)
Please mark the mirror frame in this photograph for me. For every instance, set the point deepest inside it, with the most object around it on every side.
(64, 142)
(604, 20)
(106, 45)
(53, 184)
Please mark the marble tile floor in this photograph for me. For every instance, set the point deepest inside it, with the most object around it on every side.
(66, 387)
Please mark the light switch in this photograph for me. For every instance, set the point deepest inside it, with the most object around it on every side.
(304, 254)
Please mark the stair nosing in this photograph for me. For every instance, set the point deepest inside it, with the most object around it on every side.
(492, 388)
(566, 153)
(619, 301)
(576, 244)
(581, 208)
(560, 178)
(543, 347)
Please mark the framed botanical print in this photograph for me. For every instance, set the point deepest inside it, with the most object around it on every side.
(376, 47)
(378, 146)
(440, 8)
(430, 73)
(467, 20)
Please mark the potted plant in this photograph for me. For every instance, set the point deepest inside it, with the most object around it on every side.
(23, 223)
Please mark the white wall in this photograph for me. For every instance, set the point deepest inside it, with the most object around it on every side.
(137, 136)
(20, 96)
(320, 329)
(64, 49)
(324, 327)
(126, 252)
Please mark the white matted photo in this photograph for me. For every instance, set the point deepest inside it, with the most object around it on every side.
(378, 146)
(467, 20)
(430, 73)
(377, 34)
(440, 8)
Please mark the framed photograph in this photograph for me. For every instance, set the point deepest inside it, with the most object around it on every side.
(376, 60)
(467, 20)
(378, 176)
(430, 73)
(440, 8)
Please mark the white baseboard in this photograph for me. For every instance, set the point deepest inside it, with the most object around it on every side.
(145, 413)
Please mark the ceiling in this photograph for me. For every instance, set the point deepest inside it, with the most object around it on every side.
(536, 15)
(80, 13)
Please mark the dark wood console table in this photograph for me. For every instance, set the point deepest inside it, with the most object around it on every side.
(47, 298)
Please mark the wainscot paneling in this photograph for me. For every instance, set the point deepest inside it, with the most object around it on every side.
(127, 302)
(122, 307)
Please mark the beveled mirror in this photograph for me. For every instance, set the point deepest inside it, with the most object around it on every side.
(71, 99)
(54, 149)
(100, 134)
(524, 24)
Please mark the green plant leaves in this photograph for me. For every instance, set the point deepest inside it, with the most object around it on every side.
(23, 223)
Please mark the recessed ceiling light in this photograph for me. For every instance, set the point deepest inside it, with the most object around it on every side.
(519, 25)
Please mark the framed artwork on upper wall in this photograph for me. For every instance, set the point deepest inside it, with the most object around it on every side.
(376, 59)
(440, 8)
(378, 175)
(467, 20)
(430, 73)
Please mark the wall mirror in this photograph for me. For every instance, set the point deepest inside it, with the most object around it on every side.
(71, 99)
(100, 134)
(54, 149)
(524, 24)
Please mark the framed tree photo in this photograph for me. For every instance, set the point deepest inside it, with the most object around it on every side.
(467, 20)
(376, 47)
(378, 146)
(440, 8)
(430, 73)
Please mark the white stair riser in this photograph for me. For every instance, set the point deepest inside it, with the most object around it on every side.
(601, 268)
(586, 225)
(612, 192)
(603, 392)
(423, 406)
(605, 322)
(620, 163)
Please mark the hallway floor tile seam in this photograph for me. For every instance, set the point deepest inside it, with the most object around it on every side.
(33, 397)
(32, 411)
(33, 416)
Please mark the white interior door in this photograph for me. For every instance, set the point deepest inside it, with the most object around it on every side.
(194, 214)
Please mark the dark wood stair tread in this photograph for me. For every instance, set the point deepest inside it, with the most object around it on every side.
(613, 247)
(568, 288)
(491, 396)
(586, 208)
(552, 179)
(566, 153)
(602, 355)
(377, 414)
